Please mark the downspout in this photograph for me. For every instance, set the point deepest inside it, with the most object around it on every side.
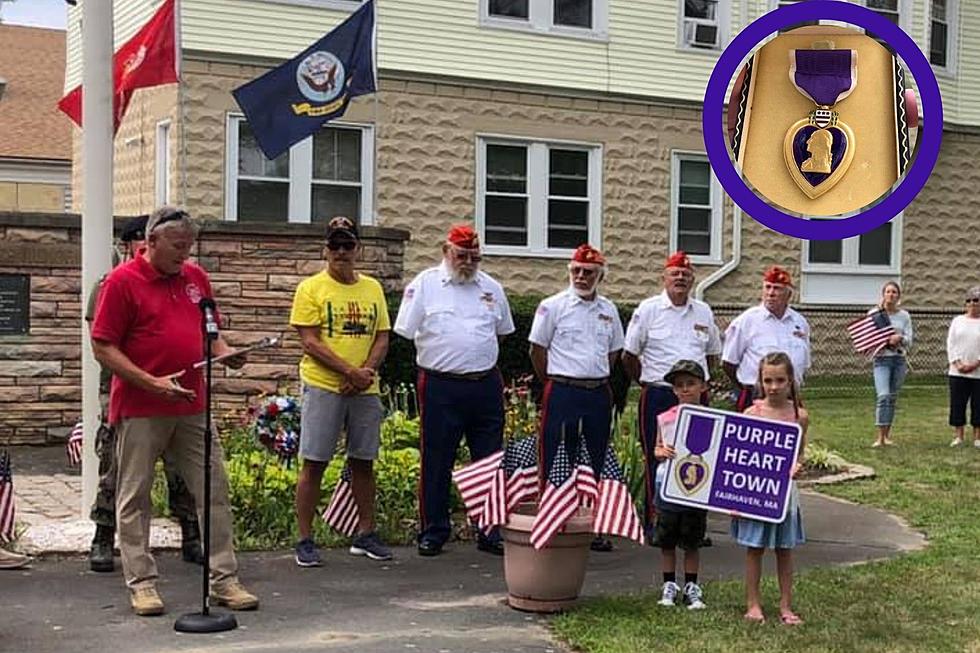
(723, 271)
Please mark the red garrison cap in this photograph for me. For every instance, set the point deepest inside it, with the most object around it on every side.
(588, 255)
(776, 274)
(678, 260)
(463, 235)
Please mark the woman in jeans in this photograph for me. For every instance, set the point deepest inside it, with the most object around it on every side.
(963, 348)
(890, 362)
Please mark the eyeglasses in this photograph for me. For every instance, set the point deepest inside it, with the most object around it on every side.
(585, 272)
(467, 255)
(345, 245)
(973, 300)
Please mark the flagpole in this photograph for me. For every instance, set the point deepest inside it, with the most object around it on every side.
(377, 117)
(97, 208)
(181, 109)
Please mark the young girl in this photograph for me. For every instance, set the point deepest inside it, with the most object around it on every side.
(781, 401)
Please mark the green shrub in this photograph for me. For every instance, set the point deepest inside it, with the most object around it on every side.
(820, 458)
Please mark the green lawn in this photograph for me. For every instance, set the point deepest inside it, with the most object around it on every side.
(925, 601)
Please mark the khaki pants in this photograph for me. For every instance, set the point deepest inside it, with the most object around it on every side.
(141, 441)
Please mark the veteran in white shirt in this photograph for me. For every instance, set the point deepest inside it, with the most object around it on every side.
(576, 338)
(664, 329)
(455, 314)
(769, 327)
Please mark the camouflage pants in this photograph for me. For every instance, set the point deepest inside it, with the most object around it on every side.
(104, 509)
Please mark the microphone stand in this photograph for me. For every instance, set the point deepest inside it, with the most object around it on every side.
(205, 621)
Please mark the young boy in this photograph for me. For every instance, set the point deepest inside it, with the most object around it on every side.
(679, 525)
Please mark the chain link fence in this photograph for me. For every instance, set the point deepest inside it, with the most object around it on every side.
(836, 370)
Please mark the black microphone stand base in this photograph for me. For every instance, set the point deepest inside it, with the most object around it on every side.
(198, 622)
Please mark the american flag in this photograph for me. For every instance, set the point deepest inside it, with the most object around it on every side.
(474, 483)
(74, 445)
(559, 502)
(341, 514)
(615, 513)
(515, 479)
(521, 469)
(871, 332)
(6, 498)
(585, 483)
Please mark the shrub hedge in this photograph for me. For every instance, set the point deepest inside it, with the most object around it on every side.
(514, 361)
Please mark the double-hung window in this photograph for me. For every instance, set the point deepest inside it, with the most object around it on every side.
(703, 24)
(695, 208)
(584, 18)
(328, 174)
(537, 198)
(943, 16)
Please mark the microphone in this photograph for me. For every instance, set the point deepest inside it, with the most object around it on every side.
(208, 307)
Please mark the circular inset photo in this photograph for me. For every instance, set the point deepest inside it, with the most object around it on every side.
(822, 120)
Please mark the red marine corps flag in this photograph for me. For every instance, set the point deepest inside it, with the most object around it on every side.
(149, 58)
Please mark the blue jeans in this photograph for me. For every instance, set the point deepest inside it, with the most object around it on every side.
(889, 374)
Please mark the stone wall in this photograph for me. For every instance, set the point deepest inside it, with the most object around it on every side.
(254, 271)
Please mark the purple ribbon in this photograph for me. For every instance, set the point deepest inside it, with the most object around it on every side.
(699, 431)
(823, 75)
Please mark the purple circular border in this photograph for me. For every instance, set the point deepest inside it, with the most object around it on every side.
(717, 147)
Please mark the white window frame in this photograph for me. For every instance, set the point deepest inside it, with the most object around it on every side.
(300, 173)
(849, 282)
(904, 12)
(724, 27)
(162, 163)
(952, 49)
(715, 201)
(537, 191)
(850, 251)
(541, 20)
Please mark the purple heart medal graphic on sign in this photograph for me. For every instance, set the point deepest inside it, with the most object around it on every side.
(691, 471)
(819, 149)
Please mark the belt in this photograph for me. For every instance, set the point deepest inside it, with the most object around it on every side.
(656, 384)
(588, 384)
(465, 376)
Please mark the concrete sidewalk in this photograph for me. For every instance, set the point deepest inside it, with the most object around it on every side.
(446, 604)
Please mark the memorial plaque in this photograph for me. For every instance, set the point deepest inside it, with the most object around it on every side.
(15, 304)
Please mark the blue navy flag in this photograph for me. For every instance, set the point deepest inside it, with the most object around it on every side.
(292, 101)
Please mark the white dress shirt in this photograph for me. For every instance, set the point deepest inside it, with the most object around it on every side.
(757, 332)
(578, 334)
(454, 325)
(660, 334)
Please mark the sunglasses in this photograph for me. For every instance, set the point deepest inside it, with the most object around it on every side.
(171, 217)
(345, 246)
(973, 300)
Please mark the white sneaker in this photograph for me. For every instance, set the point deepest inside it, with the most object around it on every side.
(669, 594)
(692, 596)
(956, 442)
(976, 443)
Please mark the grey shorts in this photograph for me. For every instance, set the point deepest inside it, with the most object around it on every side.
(325, 414)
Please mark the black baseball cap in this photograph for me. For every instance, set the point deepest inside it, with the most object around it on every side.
(341, 228)
(134, 229)
(685, 366)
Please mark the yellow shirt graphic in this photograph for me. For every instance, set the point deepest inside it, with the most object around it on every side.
(349, 316)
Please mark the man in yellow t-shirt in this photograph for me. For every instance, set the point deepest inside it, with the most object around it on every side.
(342, 320)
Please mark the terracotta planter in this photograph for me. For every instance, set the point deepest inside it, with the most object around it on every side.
(548, 580)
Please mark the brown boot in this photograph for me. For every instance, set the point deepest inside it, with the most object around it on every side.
(232, 594)
(145, 601)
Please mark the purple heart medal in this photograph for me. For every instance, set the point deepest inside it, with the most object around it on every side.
(691, 471)
(819, 149)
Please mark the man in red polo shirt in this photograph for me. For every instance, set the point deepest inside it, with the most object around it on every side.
(147, 332)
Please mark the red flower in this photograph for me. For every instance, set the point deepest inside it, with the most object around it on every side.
(272, 409)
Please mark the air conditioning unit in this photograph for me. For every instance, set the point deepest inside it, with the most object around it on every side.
(699, 34)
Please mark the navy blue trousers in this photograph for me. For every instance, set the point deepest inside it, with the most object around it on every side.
(450, 409)
(564, 409)
(654, 400)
